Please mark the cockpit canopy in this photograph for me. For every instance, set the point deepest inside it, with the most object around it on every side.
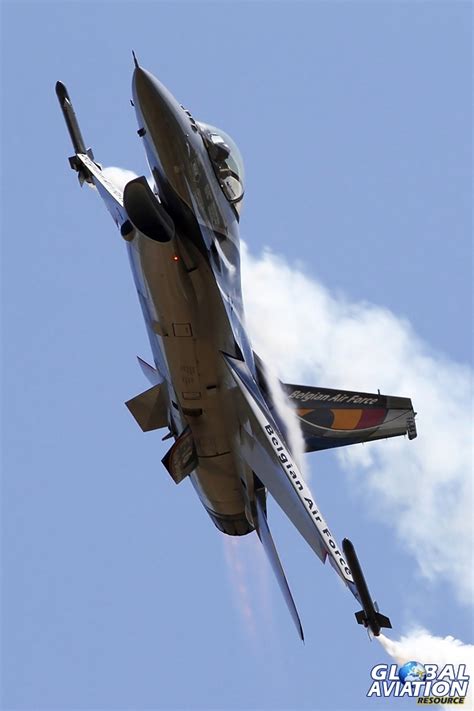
(226, 161)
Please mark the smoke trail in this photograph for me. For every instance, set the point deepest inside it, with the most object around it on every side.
(421, 646)
(121, 176)
(424, 487)
(287, 413)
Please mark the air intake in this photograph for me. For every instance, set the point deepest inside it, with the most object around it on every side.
(145, 212)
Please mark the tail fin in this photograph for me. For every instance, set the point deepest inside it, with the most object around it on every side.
(383, 621)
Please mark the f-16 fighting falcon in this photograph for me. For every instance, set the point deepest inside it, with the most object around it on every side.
(209, 390)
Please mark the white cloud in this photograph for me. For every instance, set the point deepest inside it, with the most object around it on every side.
(423, 487)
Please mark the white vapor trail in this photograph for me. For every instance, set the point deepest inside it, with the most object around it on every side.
(287, 413)
(423, 487)
(121, 176)
(421, 646)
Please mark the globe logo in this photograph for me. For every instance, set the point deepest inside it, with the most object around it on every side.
(412, 671)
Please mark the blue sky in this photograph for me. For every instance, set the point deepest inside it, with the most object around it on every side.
(354, 121)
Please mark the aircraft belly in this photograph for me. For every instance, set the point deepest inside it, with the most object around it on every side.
(189, 319)
(218, 486)
(216, 479)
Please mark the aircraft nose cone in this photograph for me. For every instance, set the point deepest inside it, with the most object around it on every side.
(163, 127)
(154, 100)
(142, 84)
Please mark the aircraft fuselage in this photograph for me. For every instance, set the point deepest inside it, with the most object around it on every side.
(190, 292)
(209, 389)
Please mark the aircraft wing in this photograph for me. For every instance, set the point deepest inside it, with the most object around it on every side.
(111, 194)
(266, 453)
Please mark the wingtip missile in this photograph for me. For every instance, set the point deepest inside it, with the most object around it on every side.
(61, 92)
(369, 616)
(74, 133)
(70, 118)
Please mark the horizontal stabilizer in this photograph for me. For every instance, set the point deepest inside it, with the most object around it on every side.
(149, 409)
(182, 458)
(336, 418)
(265, 536)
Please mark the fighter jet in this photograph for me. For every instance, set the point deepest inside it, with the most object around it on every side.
(209, 390)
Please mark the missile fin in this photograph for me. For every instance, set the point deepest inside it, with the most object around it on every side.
(383, 620)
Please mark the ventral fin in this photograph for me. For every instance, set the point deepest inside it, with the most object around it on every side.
(149, 409)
